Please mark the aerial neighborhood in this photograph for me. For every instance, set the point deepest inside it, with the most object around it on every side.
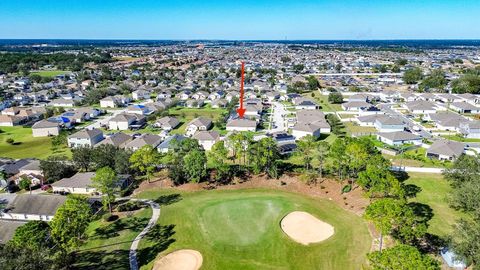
(107, 134)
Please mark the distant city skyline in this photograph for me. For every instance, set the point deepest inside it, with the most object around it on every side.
(240, 20)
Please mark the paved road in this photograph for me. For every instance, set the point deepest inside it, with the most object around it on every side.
(277, 117)
(133, 248)
(356, 74)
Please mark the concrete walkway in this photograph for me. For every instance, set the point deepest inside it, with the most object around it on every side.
(153, 220)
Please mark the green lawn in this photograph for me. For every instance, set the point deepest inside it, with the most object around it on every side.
(434, 192)
(26, 146)
(417, 158)
(323, 102)
(50, 73)
(185, 115)
(460, 138)
(108, 243)
(239, 229)
(354, 128)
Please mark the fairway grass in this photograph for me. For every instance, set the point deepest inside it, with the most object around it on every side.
(27, 146)
(434, 192)
(240, 229)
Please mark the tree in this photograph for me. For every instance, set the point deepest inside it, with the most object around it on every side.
(377, 179)
(468, 83)
(194, 165)
(55, 168)
(335, 97)
(306, 148)
(313, 83)
(436, 80)
(70, 222)
(413, 75)
(145, 160)
(402, 257)
(466, 241)
(321, 153)
(104, 156)
(384, 214)
(14, 257)
(218, 157)
(25, 183)
(82, 157)
(106, 181)
(33, 234)
(263, 156)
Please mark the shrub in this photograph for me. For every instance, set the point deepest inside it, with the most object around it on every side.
(110, 218)
(10, 141)
(129, 206)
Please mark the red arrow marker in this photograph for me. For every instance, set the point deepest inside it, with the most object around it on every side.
(241, 110)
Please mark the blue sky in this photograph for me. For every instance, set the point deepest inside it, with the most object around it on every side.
(241, 19)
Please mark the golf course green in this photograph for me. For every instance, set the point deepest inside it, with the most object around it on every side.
(240, 229)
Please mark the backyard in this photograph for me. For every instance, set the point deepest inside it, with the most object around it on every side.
(25, 145)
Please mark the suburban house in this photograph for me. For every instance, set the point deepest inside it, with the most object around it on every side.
(397, 138)
(139, 109)
(198, 124)
(85, 138)
(207, 138)
(10, 121)
(44, 128)
(310, 122)
(62, 102)
(32, 207)
(445, 150)
(125, 121)
(302, 103)
(167, 123)
(465, 107)
(140, 94)
(118, 139)
(142, 140)
(423, 107)
(242, 125)
(470, 129)
(449, 121)
(355, 105)
(166, 145)
(389, 124)
(81, 183)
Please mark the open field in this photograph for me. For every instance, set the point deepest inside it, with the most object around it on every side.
(460, 139)
(26, 146)
(108, 243)
(185, 115)
(434, 192)
(351, 127)
(240, 229)
(50, 73)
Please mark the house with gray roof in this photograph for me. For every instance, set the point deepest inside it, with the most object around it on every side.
(85, 138)
(81, 183)
(242, 124)
(166, 145)
(207, 138)
(465, 107)
(167, 123)
(198, 124)
(355, 105)
(44, 128)
(32, 207)
(389, 124)
(144, 139)
(397, 138)
(118, 139)
(310, 122)
(445, 150)
(470, 129)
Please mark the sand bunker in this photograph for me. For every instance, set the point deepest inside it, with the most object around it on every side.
(184, 259)
(305, 228)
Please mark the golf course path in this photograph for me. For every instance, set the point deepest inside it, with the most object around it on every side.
(153, 220)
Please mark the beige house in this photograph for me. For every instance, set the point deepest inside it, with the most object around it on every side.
(45, 128)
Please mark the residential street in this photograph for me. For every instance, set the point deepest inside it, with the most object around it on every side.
(277, 118)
